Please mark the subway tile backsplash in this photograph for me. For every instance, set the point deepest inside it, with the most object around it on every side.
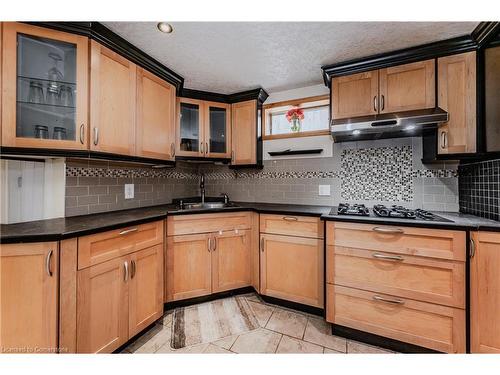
(479, 192)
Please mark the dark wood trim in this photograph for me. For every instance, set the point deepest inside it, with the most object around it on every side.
(376, 340)
(293, 305)
(201, 159)
(484, 32)
(83, 154)
(103, 35)
(296, 152)
(207, 298)
(259, 94)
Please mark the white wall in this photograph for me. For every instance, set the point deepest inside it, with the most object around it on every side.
(323, 141)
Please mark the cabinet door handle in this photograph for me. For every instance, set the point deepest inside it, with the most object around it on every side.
(132, 271)
(472, 250)
(375, 103)
(128, 231)
(395, 301)
(388, 257)
(262, 244)
(232, 156)
(82, 133)
(207, 151)
(201, 148)
(209, 244)
(96, 136)
(125, 269)
(290, 218)
(47, 263)
(382, 102)
(172, 149)
(388, 230)
(443, 139)
(215, 244)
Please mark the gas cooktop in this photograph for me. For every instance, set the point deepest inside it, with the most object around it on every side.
(380, 210)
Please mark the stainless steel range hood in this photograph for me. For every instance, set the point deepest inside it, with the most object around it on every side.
(387, 125)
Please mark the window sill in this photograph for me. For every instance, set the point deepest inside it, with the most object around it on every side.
(296, 135)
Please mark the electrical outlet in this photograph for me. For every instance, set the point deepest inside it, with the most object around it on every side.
(324, 190)
(129, 191)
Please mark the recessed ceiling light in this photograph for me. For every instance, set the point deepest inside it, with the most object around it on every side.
(165, 27)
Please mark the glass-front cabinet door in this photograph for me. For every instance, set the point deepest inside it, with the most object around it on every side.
(190, 137)
(45, 89)
(218, 130)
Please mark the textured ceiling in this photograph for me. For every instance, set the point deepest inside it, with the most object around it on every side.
(228, 57)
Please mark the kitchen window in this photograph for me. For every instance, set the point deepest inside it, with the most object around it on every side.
(313, 119)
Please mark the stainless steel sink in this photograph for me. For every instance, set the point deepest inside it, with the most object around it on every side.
(206, 205)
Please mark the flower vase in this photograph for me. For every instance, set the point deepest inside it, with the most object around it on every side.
(295, 126)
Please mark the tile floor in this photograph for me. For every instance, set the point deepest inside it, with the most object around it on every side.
(281, 330)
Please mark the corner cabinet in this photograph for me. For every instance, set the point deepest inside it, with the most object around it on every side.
(203, 129)
(155, 127)
(395, 89)
(457, 96)
(29, 289)
(485, 292)
(44, 88)
(112, 106)
(245, 132)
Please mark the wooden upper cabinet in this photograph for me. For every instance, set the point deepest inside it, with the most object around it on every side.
(44, 88)
(217, 130)
(28, 289)
(145, 288)
(155, 131)
(407, 87)
(102, 306)
(188, 266)
(231, 254)
(457, 96)
(113, 101)
(244, 133)
(190, 137)
(485, 293)
(355, 95)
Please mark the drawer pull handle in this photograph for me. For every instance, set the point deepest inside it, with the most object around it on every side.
(47, 263)
(290, 218)
(209, 244)
(388, 230)
(388, 257)
(215, 244)
(262, 244)
(472, 250)
(128, 231)
(395, 301)
(132, 272)
(125, 268)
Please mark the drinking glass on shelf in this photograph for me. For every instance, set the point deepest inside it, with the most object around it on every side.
(54, 74)
(59, 133)
(35, 94)
(41, 131)
(52, 96)
(66, 96)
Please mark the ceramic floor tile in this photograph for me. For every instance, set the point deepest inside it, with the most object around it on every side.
(193, 349)
(226, 342)
(319, 332)
(213, 349)
(258, 341)
(167, 318)
(254, 298)
(287, 322)
(330, 351)
(261, 311)
(151, 340)
(292, 345)
(354, 347)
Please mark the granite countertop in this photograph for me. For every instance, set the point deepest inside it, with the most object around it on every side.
(57, 229)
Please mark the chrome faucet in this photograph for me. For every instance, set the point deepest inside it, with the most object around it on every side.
(202, 188)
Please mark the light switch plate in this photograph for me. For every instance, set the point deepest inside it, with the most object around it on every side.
(324, 190)
(129, 191)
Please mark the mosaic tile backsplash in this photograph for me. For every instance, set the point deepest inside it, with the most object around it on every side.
(370, 172)
(479, 192)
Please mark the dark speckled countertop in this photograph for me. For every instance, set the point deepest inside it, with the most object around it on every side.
(57, 229)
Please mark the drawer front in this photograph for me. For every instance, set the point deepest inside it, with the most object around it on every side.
(100, 247)
(292, 225)
(206, 223)
(432, 326)
(434, 243)
(425, 279)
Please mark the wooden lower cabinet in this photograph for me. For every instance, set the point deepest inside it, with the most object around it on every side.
(117, 299)
(292, 268)
(437, 327)
(28, 288)
(145, 288)
(485, 293)
(231, 260)
(188, 266)
(102, 306)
